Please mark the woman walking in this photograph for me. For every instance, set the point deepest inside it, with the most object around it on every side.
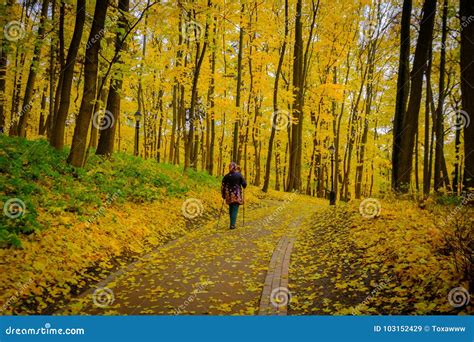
(233, 184)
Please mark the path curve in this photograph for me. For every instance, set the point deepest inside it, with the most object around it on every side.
(210, 271)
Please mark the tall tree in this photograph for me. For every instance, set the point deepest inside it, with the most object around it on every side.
(51, 75)
(410, 121)
(191, 140)
(427, 150)
(466, 12)
(294, 176)
(403, 86)
(107, 134)
(266, 181)
(30, 83)
(79, 141)
(59, 124)
(236, 148)
(457, 148)
(5, 9)
(439, 127)
(59, 51)
(211, 100)
(174, 137)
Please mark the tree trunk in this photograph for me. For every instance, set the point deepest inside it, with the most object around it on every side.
(42, 120)
(52, 76)
(457, 144)
(427, 142)
(102, 97)
(30, 84)
(17, 81)
(438, 181)
(160, 126)
(235, 148)
(193, 141)
(312, 165)
(174, 104)
(352, 135)
(277, 165)
(338, 129)
(59, 124)
(105, 146)
(410, 121)
(368, 108)
(467, 89)
(5, 47)
(403, 86)
(61, 61)
(211, 96)
(266, 181)
(294, 176)
(78, 147)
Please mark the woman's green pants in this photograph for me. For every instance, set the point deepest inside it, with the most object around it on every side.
(233, 211)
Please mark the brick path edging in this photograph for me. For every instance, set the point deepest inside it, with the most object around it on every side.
(276, 281)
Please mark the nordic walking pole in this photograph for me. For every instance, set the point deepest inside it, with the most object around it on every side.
(243, 208)
(220, 214)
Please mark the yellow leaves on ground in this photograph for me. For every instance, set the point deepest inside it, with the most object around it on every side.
(65, 258)
(342, 263)
(393, 264)
(210, 270)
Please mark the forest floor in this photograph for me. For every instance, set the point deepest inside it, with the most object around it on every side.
(344, 261)
(212, 270)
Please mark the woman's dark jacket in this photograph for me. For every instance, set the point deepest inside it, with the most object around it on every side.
(231, 189)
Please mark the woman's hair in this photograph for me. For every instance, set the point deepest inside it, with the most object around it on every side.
(232, 167)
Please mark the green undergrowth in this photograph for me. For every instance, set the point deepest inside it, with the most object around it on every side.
(35, 180)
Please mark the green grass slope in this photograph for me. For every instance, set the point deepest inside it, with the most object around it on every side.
(36, 184)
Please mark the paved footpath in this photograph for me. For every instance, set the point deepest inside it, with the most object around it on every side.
(210, 271)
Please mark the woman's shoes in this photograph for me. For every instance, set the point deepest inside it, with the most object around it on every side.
(232, 227)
